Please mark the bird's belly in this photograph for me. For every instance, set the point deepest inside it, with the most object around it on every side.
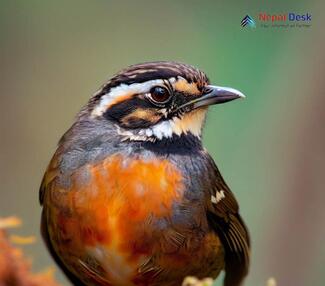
(124, 226)
(139, 260)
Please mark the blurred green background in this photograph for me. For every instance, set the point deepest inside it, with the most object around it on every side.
(269, 147)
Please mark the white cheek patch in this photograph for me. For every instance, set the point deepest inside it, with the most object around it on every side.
(123, 90)
(159, 131)
(189, 123)
(163, 129)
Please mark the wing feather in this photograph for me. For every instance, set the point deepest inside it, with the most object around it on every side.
(223, 216)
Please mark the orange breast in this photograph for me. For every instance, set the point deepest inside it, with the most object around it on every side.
(102, 224)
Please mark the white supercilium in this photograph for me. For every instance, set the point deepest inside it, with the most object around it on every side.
(121, 90)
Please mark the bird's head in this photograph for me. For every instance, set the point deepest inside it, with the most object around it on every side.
(157, 100)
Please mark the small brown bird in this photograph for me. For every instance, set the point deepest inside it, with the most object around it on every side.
(131, 197)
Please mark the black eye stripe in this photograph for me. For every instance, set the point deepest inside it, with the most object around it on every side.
(121, 109)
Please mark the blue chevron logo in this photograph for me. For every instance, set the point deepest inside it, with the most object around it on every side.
(248, 21)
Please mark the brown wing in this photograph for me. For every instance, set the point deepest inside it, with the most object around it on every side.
(224, 218)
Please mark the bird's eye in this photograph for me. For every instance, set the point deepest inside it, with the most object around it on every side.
(159, 94)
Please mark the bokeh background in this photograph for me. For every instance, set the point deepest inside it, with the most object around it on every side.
(269, 147)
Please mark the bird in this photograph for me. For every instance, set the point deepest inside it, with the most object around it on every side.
(131, 196)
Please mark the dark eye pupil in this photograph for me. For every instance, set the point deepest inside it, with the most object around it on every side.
(159, 94)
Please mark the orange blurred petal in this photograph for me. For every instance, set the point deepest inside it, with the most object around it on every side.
(22, 239)
(9, 222)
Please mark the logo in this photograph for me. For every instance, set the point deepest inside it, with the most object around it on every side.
(248, 21)
(280, 20)
(284, 17)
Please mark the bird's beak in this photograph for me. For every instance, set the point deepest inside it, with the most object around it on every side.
(216, 95)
